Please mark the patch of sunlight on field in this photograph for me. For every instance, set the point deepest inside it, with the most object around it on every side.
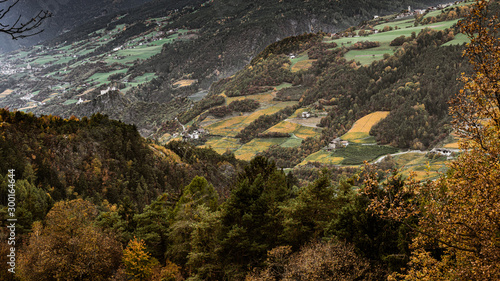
(307, 132)
(266, 98)
(322, 156)
(232, 126)
(454, 145)
(184, 83)
(302, 65)
(5, 93)
(359, 132)
(221, 145)
(294, 128)
(249, 150)
(283, 127)
(452, 141)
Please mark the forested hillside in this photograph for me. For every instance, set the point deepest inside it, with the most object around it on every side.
(414, 85)
(196, 212)
(297, 167)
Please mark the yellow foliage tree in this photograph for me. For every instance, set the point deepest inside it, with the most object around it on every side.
(139, 264)
(458, 229)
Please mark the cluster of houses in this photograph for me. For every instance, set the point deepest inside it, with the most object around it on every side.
(107, 90)
(336, 144)
(196, 134)
(9, 69)
(409, 12)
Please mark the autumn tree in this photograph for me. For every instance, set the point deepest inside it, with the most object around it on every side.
(330, 260)
(139, 265)
(68, 246)
(458, 228)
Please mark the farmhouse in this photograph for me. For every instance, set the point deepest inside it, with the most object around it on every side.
(306, 114)
(337, 143)
(441, 151)
(196, 134)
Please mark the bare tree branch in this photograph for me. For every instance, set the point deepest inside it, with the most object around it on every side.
(21, 29)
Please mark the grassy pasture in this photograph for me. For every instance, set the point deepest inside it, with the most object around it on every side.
(405, 23)
(130, 55)
(266, 98)
(302, 65)
(282, 86)
(293, 141)
(220, 145)
(458, 40)
(356, 154)
(299, 58)
(102, 78)
(322, 156)
(249, 150)
(384, 38)
(359, 133)
(70, 101)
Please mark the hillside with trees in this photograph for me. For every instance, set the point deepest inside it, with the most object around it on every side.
(97, 201)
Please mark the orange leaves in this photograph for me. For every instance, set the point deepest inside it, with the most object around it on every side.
(138, 262)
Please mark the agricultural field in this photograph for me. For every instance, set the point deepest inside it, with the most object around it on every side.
(423, 166)
(452, 141)
(324, 157)
(302, 65)
(282, 86)
(404, 27)
(298, 130)
(222, 144)
(292, 141)
(359, 133)
(5, 93)
(232, 126)
(356, 154)
(184, 83)
(249, 150)
(65, 58)
(266, 98)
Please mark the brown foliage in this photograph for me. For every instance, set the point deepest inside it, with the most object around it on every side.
(316, 261)
(69, 246)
